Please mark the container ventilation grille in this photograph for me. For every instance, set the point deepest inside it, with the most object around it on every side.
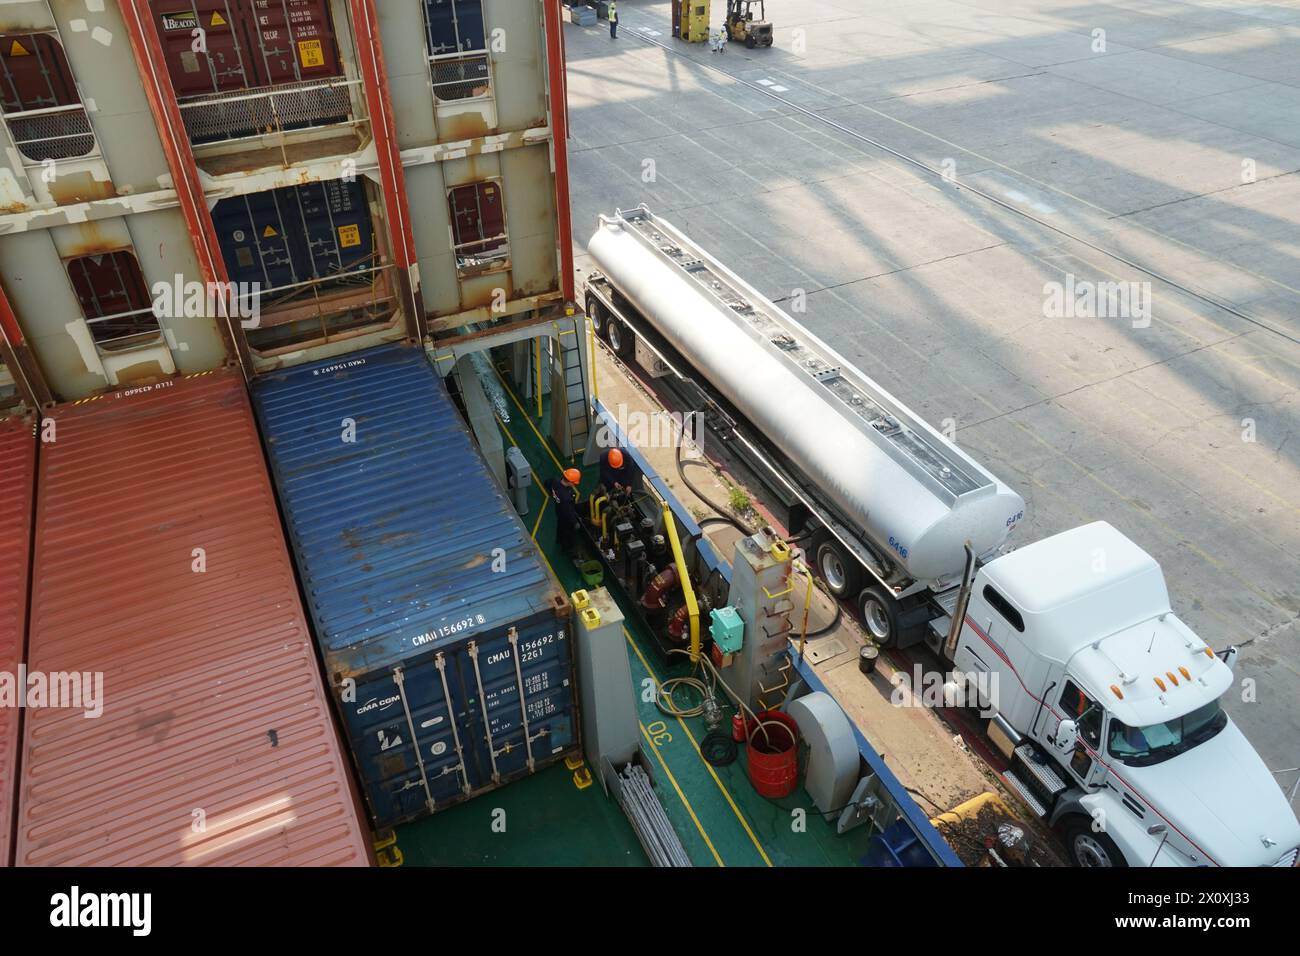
(62, 135)
(285, 106)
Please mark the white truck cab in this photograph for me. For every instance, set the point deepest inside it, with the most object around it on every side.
(1107, 706)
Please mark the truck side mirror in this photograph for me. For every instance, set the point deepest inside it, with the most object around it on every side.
(1067, 736)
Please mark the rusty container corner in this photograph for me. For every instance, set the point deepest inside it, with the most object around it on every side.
(445, 637)
(160, 563)
(17, 480)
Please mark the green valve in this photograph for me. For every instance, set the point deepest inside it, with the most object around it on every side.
(728, 629)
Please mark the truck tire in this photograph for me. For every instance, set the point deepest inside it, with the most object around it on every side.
(599, 319)
(840, 570)
(621, 339)
(1089, 848)
(879, 614)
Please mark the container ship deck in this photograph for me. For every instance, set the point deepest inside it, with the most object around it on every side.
(381, 178)
(554, 819)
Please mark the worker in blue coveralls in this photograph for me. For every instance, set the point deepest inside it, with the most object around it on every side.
(616, 472)
(613, 20)
(564, 492)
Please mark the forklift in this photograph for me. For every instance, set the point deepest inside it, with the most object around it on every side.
(743, 28)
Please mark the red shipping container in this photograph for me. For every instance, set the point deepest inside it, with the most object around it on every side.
(246, 44)
(34, 73)
(296, 38)
(223, 60)
(160, 563)
(17, 477)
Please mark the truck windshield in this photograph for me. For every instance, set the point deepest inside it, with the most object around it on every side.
(1155, 743)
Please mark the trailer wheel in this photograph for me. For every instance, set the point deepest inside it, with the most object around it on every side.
(621, 339)
(1089, 848)
(840, 571)
(599, 319)
(879, 613)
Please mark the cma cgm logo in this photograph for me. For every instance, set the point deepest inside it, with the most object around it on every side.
(375, 703)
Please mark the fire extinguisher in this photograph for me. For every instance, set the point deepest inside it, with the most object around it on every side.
(738, 728)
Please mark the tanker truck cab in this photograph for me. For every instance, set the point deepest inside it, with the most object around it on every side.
(1108, 708)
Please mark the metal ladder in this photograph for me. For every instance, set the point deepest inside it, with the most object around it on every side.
(573, 430)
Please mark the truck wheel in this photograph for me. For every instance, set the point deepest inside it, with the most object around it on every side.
(1088, 848)
(879, 613)
(622, 341)
(841, 572)
(599, 319)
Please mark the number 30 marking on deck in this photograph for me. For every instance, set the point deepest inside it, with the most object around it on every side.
(659, 734)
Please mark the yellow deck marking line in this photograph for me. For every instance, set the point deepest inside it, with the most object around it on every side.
(546, 500)
(673, 780)
(686, 803)
(694, 743)
(708, 766)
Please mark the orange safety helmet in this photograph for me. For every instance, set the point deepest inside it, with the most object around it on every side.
(615, 458)
(573, 476)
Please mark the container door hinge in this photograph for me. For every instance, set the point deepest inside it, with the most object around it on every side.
(487, 722)
(400, 680)
(523, 702)
(440, 662)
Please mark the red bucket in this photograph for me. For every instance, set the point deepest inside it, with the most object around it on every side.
(773, 754)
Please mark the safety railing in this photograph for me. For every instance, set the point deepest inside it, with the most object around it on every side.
(272, 298)
(248, 114)
(482, 255)
(456, 77)
(123, 331)
(56, 132)
(319, 311)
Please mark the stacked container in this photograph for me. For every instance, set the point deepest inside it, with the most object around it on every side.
(445, 639)
(161, 571)
(252, 45)
(17, 473)
(287, 237)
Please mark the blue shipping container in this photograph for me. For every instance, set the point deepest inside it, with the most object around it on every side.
(444, 636)
(284, 237)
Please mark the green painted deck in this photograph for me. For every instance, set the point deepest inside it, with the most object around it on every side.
(545, 820)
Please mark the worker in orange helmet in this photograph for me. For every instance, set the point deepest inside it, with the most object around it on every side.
(616, 472)
(564, 492)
